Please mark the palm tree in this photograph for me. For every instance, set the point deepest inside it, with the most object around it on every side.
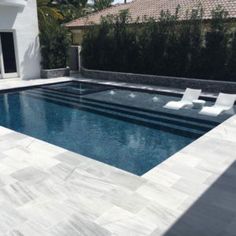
(47, 12)
(102, 4)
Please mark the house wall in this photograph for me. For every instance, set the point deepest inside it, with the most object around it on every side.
(77, 36)
(23, 22)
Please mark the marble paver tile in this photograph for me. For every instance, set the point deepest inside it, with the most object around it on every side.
(22, 157)
(4, 131)
(109, 174)
(17, 194)
(126, 179)
(158, 215)
(44, 148)
(6, 180)
(89, 208)
(80, 182)
(164, 177)
(186, 186)
(115, 179)
(28, 229)
(188, 159)
(133, 226)
(214, 167)
(27, 83)
(79, 175)
(9, 217)
(17, 152)
(113, 215)
(158, 232)
(77, 226)
(42, 162)
(11, 137)
(69, 158)
(83, 189)
(228, 151)
(25, 142)
(15, 162)
(185, 205)
(50, 189)
(61, 171)
(212, 148)
(224, 131)
(46, 214)
(30, 175)
(5, 169)
(96, 168)
(6, 145)
(2, 156)
(185, 171)
(168, 197)
(128, 200)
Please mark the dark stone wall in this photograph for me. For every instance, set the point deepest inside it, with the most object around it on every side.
(53, 73)
(165, 81)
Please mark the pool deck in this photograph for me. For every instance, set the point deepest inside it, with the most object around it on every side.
(46, 190)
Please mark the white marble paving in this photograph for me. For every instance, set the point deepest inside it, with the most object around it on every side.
(48, 191)
(19, 83)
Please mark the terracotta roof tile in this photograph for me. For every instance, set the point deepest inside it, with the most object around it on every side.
(152, 8)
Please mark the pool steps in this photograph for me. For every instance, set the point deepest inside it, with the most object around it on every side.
(169, 124)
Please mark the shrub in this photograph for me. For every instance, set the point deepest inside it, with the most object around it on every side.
(214, 53)
(111, 45)
(232, 58)
(54, 42)
(190, 48)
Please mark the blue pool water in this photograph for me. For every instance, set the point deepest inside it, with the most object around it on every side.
(76, 117)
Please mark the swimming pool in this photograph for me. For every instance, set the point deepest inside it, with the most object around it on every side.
(126, 129)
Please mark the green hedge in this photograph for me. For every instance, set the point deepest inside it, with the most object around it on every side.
(55, 42)
(193, 48)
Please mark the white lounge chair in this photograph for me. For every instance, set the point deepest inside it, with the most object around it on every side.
(186, 101)
(223, 103)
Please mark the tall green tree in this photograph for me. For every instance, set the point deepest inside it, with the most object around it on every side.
(54, 41)
(101, 4)
(164, 47)
(214, 54)
(75, 3)
(47, 12)
(232, 58)
(73, 10)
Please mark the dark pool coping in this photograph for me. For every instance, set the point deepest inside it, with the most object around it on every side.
(142, 87)
(30, 84)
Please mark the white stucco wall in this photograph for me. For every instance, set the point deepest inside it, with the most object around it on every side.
(23, 21)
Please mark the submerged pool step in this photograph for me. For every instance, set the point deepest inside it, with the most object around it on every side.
(154, 117)
(75, 90)
(194, 133)
(137, 112)
(209, 123)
